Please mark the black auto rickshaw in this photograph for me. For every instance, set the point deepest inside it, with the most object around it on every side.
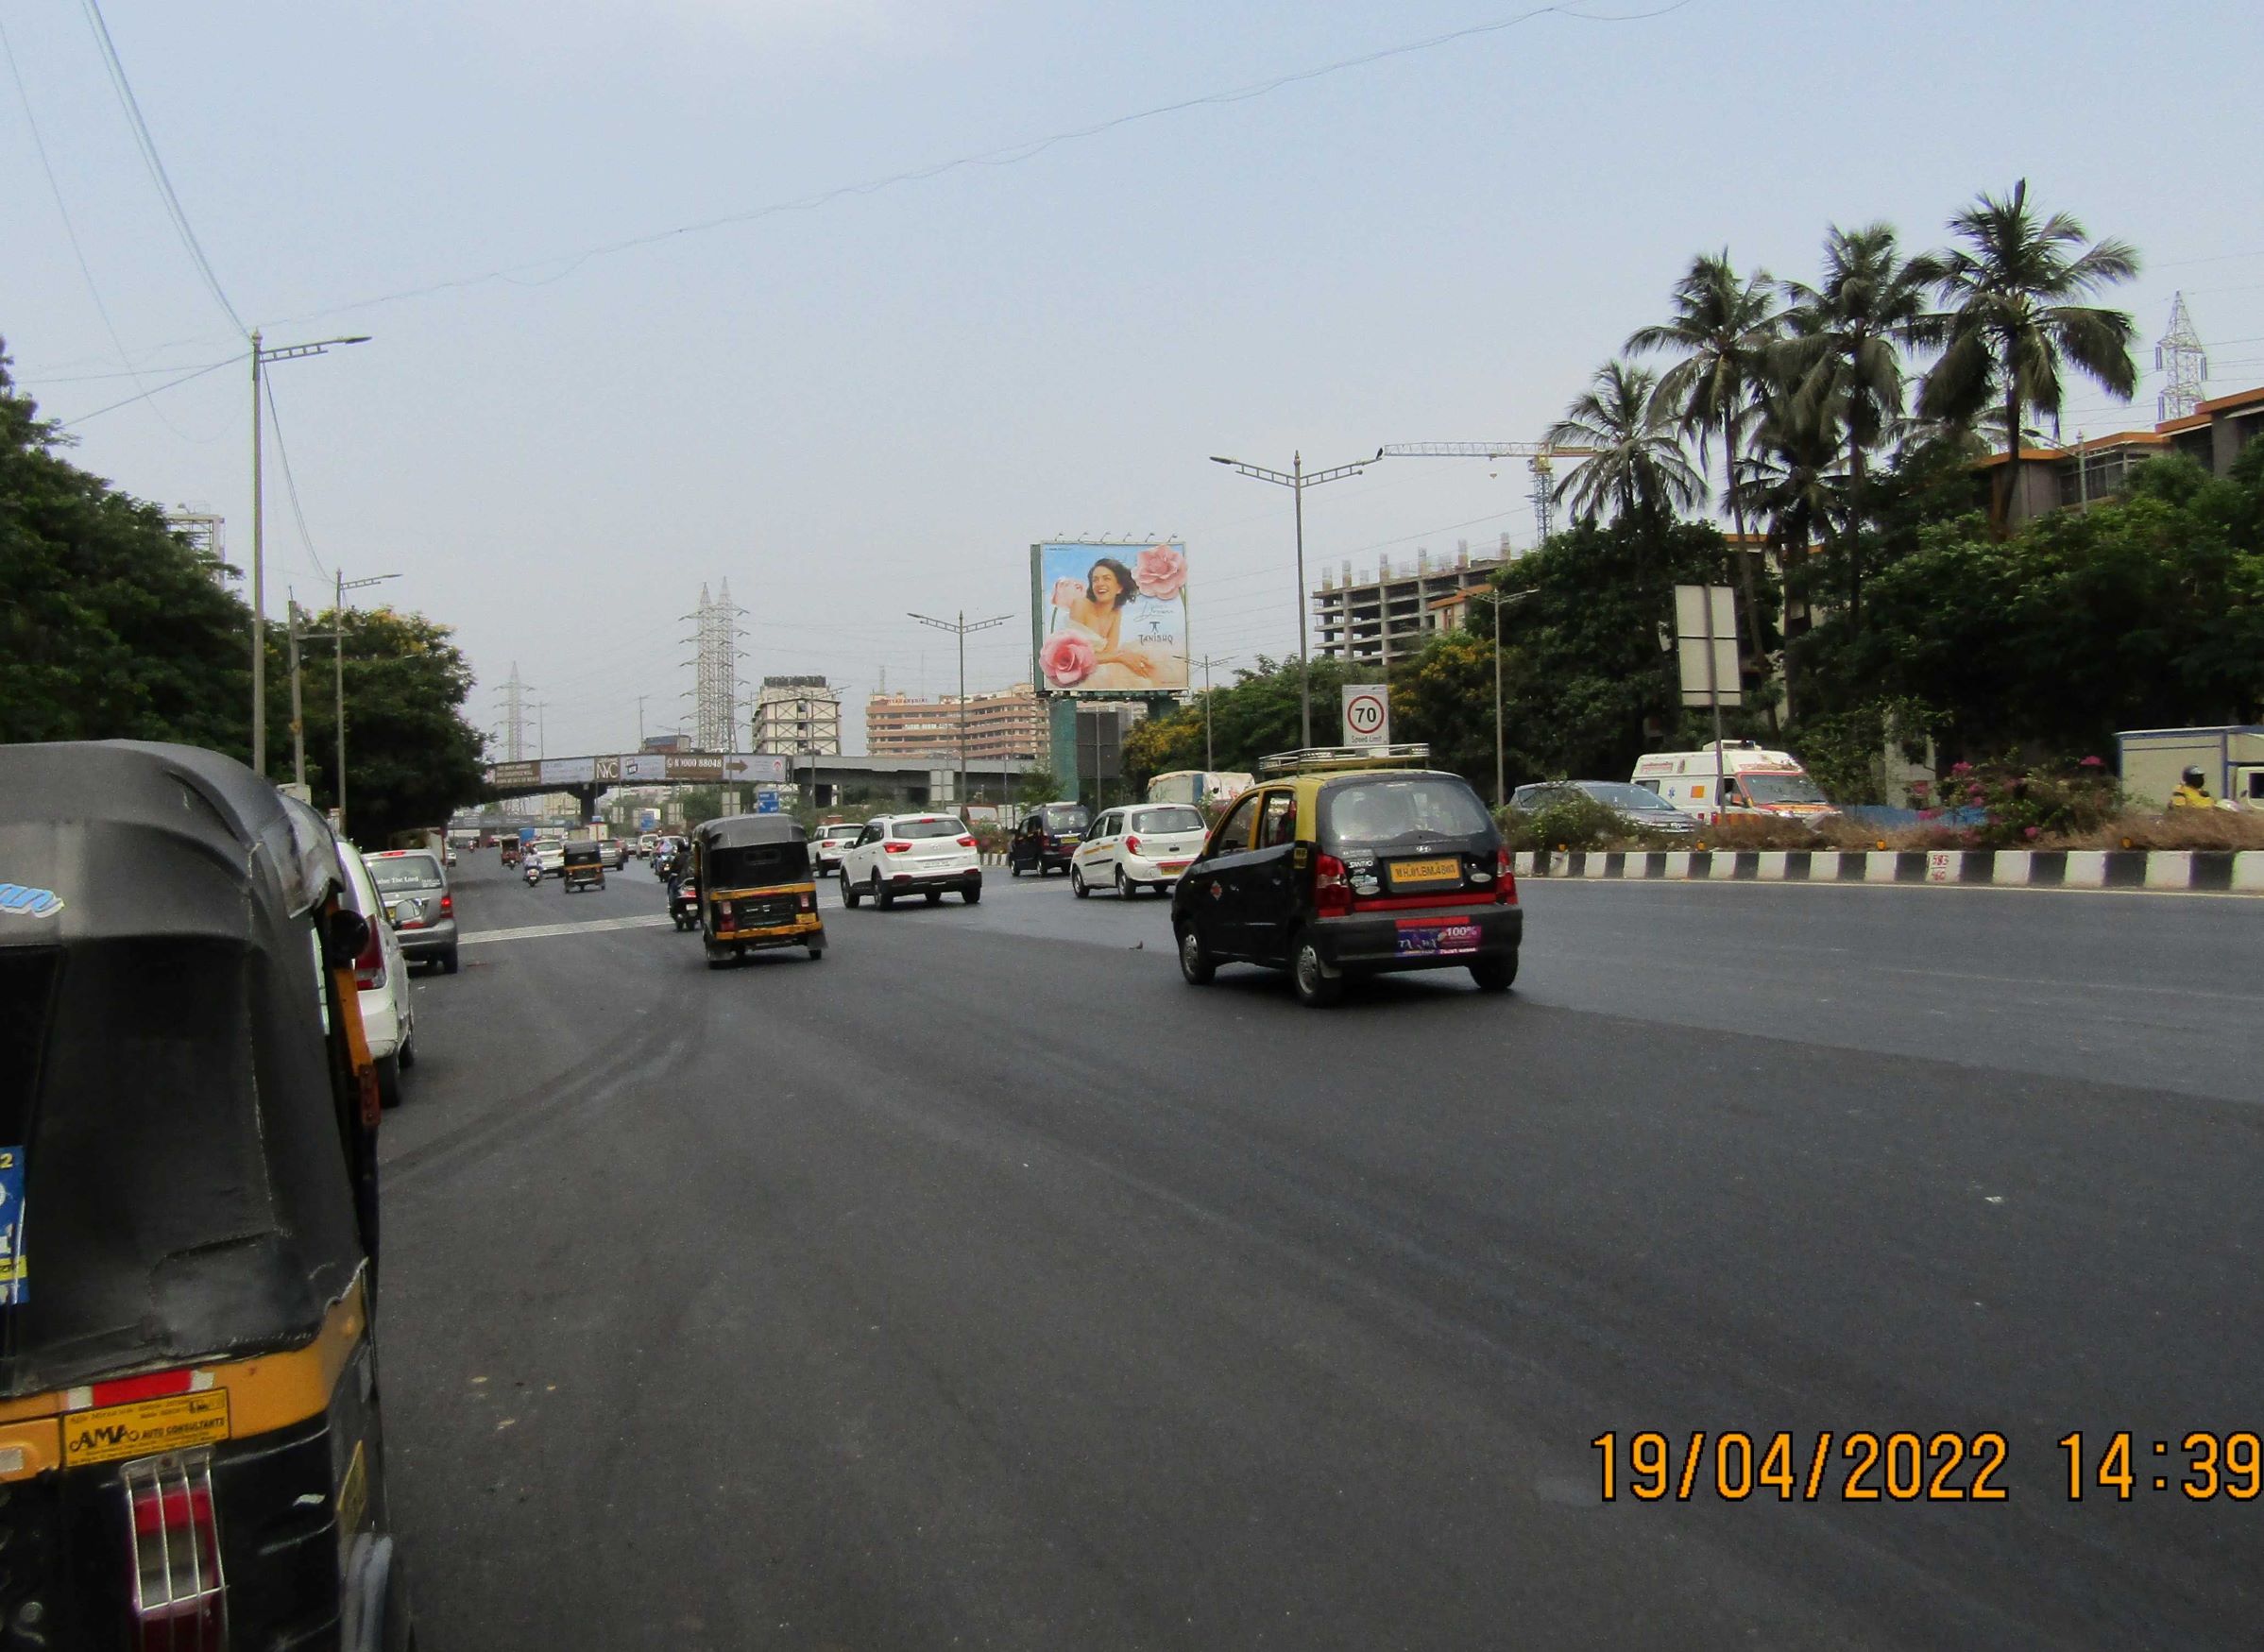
(191, 1449)
(583, 866)
(756, 886)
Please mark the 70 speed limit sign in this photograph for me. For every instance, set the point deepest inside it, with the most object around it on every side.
(1367, 714)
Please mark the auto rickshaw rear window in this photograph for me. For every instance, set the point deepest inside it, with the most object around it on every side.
(758, 864)
(1390, 809)
(28, 976)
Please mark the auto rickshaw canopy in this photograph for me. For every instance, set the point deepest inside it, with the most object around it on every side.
(166, 1087)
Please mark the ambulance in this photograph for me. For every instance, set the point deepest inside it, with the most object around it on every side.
(1753, 781)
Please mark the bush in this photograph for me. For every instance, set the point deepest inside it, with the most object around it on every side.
(1576, 822)
(2027, 806)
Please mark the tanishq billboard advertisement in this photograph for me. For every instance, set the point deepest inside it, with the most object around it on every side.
(1110, 618)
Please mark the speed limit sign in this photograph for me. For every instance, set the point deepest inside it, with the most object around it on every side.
(1367, 714)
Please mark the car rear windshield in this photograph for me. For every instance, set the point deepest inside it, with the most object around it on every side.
(1780, 788)
(1070, 819)
(1166, 820)
(905, 830)
(1374, 814)
(404, 872)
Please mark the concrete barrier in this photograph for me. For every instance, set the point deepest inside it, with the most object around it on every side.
(2180, 871)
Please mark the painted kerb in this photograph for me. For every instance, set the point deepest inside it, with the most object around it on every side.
(2180, 871)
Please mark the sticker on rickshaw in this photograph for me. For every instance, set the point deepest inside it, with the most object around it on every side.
(24, 901)
(11, 1226)
(145, 1427)
(353, 1493)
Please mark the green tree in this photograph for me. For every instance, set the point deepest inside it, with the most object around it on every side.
(1724, 327)
(412, 759)
(1638, 465)
(1444, 698)
(110, 626)
(2011, 322)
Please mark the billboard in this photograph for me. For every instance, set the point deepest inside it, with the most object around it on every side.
(1110, 618)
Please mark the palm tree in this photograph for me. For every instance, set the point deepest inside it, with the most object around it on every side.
(1843, 360)
(2011, 321)
(1791, 478)
(1724, 329)
(1639, 464)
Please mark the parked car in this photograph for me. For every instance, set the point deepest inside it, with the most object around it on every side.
(418, 901)
(825, 848)
(1144, 846)
(1328, 870)
(1639, 806)
(382, 979)
(911, 854)
(1047, 838)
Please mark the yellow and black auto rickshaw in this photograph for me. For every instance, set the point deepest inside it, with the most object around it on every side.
(582, 866)
(191, 1448)
(755, 886)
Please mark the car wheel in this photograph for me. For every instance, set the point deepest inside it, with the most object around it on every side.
(850, 893)
(448, 962)
(882, 897)
(972, 894)
(407, 1055)
(1494, 975)
(1195, 962)
(1014, 867)
(817, 952)
(1077, 884)
(936, 897)
(1125, 890)
(389, 1077)
(1315, 987)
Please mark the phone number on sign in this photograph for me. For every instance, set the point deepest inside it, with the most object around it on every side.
(1861, 1467)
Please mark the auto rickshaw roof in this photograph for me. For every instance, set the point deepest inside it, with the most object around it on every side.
(583, 853)
(744, 831)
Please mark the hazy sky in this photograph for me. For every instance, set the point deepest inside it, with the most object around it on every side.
(877, 403)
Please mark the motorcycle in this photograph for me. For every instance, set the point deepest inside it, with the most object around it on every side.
(684, 903)
(533, 872)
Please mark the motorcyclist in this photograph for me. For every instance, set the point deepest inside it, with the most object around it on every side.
(2192, 792)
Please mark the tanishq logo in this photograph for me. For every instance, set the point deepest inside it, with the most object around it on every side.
(23, 901)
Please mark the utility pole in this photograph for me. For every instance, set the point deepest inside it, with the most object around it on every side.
(1501, 743)
(298, 723)
(336, 635)
(261, 355)
(641, 700)
(959, 627)
(1297, 479)
(1210, 758)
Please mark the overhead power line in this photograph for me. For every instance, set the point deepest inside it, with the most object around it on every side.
(153, 390)
(275, 418)
(155, 163)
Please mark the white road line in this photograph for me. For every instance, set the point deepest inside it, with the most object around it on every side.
(538, 931)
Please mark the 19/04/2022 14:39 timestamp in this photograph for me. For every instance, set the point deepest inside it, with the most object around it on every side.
(1905, 1466)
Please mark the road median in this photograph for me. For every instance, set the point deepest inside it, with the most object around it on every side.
(2174, 871)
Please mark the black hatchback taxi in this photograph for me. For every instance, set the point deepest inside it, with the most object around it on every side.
(1342, 862)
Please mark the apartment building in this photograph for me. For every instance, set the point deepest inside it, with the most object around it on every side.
(2093, 468)
(798, 717)
(1008, 723)
(1389, 615)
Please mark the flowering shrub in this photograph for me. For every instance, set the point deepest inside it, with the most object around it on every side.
(2024, 806)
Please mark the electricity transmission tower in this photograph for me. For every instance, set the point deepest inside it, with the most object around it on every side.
(715, 670)
(2179, 355)
(515, 717)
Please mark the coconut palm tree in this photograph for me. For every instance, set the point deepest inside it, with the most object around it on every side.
(2011, 322)
(1843, 357)
(1725, 328)
(1792, 480)
(1639, 466)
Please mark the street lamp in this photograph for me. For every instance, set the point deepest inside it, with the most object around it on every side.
(959, 627)
(261, 355)
(1500, 600)
(1297, 479)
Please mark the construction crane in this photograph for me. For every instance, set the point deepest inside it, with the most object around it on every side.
(1540, 458)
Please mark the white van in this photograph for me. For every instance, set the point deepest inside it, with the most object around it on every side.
(1755, 780)
(1211, 787)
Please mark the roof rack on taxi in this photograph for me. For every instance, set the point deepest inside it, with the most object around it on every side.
(1321, 758)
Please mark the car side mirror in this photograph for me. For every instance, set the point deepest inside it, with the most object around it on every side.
(345, 932)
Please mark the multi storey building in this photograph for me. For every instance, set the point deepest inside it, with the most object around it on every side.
(1390, 616)
(1002, 725)
(798, 717)
(2093, 468)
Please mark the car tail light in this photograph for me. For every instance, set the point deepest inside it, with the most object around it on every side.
(810, 902)
(180, 1596)
(1132, 845)
(448, 906)
(1332, 889)
(966, 843)
(896, 848)
(370, 963)
(1052, 841)
(1505, 879)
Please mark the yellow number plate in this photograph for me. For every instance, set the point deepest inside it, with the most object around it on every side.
(1446, 869)
(145, 1427)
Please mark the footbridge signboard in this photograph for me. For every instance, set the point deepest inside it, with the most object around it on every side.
(639, 769)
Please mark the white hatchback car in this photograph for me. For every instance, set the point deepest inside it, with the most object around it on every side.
(382, 974)
(911, 854)
(1140, 846)
(825, 848)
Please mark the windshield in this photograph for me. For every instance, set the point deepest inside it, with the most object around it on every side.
(1619, 795)
(943, 826)
(1166, 820)
(1376, 813)
(390, 872)
(1069, 817)
(1768, 789)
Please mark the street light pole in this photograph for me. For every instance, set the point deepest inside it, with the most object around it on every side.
(959, 627)
(1297, 479)
(1210, 757)
(1501, 769)
(261, 355)
(337, 637)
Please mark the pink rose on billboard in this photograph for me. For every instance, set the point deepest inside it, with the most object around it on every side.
(1066, 659)
(1160, 571)
(1066, 590)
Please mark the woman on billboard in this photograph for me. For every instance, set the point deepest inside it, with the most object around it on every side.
(1088, 647)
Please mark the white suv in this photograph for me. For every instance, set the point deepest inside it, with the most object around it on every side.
(911, 854)
(825, 849)
(382, 975)
(1144, 846)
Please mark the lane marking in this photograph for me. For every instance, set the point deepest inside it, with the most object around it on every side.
(538, 931)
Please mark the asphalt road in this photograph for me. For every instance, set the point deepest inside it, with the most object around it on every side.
(986, 1286)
